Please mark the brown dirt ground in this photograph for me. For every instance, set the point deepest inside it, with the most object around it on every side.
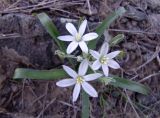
(25, 43)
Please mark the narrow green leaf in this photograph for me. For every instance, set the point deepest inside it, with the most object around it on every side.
(107, 80)
(60, 73)
(51, 29)
(21, 73)
(105, 24)
(115, 40)
(130, 85)
(85, 105)
(39, 74)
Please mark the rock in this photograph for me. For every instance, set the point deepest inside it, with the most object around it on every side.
(34, 42)
(135, 13)
(155, 24)
(153, 3)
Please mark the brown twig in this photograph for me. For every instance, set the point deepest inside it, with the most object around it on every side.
(51, 102)
(129, 100)
(14, 4)
(133, 32)
(35, 95)
(68, 104)
(89, 7)
(42, 5)
(37, 99)
(13, 35)
(44, 100)
(149, 76)
(153, 56)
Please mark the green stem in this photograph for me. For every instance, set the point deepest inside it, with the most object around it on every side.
(85, 105)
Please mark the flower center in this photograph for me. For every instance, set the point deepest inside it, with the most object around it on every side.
(103, 60)
(78, 37)
(79, 80)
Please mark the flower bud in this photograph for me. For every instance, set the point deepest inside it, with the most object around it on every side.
(60, 53)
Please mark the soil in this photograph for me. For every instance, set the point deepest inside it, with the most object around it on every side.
(25, 43)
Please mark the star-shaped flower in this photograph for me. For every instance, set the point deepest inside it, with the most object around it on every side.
(77, 38)
(79, 79)
(104, 60)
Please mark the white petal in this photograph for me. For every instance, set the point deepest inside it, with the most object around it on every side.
(113, 54)
(66, 38)
(105, 70)
(82, 27)
(83, 68)
(96, 65)
(70, 72)
(104, 48)
(66, 82)
(113, 64)
(89, 89)
(76, 92)
(95, 54)
(91, 77)
(71, 29)
(90, 36)
(71, 47)
(83, 46)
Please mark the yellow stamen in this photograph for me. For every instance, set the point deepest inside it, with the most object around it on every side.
(103, 60)
(79, 80)
(78, 37)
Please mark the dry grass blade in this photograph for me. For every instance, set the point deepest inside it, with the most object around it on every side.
(153, 57)
(6, 36)
(149, 76)
(89, 7)
(58, 4)
(129, 100)
(133, 31)
(68, 104)
(51, 102)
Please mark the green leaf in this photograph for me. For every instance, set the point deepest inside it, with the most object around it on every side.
(60, 73)
(107, 80)
(105, 24)
(85, 105)
(51, 29)
(39, 74)
(51, 75)
(115, 40)
(130, 85)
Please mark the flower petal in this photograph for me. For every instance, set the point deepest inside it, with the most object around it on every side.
(113, 64)
(91, 77)
(96, 65)
(82, 27)
(104, 49)
(90, 36)
(70, 72)
(83, 68)
(105, 70)
(66, 82)
(66, 38)
(71, 29)
(83, 46)
(113, 54)
(76, 92)
(71, 47)
(95, 54)
(89, 89)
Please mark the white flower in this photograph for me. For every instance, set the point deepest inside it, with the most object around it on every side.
(104, 60)
(78, 38)
(79, 79)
